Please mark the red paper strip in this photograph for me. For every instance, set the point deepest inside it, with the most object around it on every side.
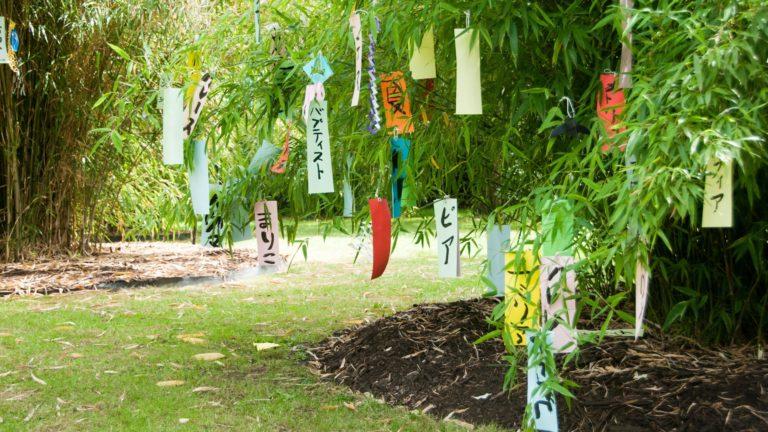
(279, 166)
(610, 105)
(397, 104)
(381, 225)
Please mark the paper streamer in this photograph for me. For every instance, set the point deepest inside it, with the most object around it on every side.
(198, 180)
(381, 225)
(319, 168)
(557, 229)
(263, 155)
(558, 288)
(257, 19)
(196, 106)
(469, 97)
(497, 246)
(173, 122)
(349, 194)
(374, 120)
(610, 105)
(718, 195)
(642, 282)
(281, 162)
(397, 104)
(400, 148)
(268, 233)
(522, 294)
(543, 403)
(625, 68)
(3, 42)
(357, 36)
(422, 63)
(447, 237)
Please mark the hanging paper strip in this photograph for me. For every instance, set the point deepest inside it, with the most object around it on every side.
(718, 195)
(497, 246)
(349, 194)
(319, 169)
(173, 123)
(268, 233)
(357, 36)
(557, 229)
(3, 42)
(397, 104)
(257, 19)
(263, 155)
(543, 403)
(447, 237)
(198, 180)
(422, 63)
(240, 225)
(196, 105)
(522, 294)
(13, 47)
(469, 97)
(558, 288)
(400, 147)
(318, 69)
(642, 281)
(610, 105)
(381, 225)
(374, 120)
(213, 223)
(282, 161)
(625, 68)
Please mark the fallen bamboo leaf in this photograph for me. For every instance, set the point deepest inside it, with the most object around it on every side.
(261, 346)
(75, 355)
(350, 406)
(208, 356)
(38, 380)
(204, 389)
(170, 383)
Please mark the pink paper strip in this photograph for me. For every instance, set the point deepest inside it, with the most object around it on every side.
(642, 280)
(557, 300)
(268, 233)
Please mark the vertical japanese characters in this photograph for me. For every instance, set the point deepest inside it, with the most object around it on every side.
(447, 220)
(718, 195)
(522, 295)
(397, 104)
(319, 167)
(542, 402)
(268, 233)
(196, 105)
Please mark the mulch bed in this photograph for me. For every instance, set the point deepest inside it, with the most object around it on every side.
(121, 265)
(424, 358)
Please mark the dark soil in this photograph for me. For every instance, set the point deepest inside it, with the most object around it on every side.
(424, 359)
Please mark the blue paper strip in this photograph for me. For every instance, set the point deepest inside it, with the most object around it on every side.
(400, 149)
(198, 180)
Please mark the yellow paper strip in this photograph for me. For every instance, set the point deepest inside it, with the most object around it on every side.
(469, 100)
(423, 60)
(523, 296)
(718, 195)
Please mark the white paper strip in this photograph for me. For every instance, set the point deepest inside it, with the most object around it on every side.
(257, 19)
(557, 302)
(173, 122)
(498, 245)
(718, 195)
(469, 98)
(423, 60)
(642, 281)
(198, 102)
(625, 67)
(3, 42)
(198, 180)
(268, 233)
(447, 219)
(543, 404)
(357, 35)
(319, 168)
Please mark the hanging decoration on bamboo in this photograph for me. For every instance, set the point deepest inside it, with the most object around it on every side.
(374, 119)
(610, 106)
(381, 226)
(469, 93)
(399, 149)
(315, 111)
(13, 47)
(397, 104)
(447, 238)
(357, 36)
(522, 294)
(267, 234)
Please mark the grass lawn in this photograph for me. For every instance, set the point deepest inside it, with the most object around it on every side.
(92, 360)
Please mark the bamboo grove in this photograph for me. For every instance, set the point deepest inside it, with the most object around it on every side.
(81, 149)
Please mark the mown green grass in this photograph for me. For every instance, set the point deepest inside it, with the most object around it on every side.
(129, 341)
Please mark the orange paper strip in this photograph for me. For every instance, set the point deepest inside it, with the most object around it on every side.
(397, 105)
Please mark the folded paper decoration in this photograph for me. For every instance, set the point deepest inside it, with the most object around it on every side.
(422, 63)
(557, 228)
(610, 105)
(197, 103)
(400, 148)
(349, 194)
(522, 294)
(718, 195)
(447, 237)
(558, 288)
(497, 247)
(319, 168)
(173, 123)
(357, 37)
(318, 70)
(542, 402)
(282, 161)
(642, 281)
(469, 97)
(381, 225)
(198, 180)
(13, 47)
(625, 68)
(268, 233)
(374, 119)
(3, 42)
(397, 104)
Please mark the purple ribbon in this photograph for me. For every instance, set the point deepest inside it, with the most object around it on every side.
(373, 116)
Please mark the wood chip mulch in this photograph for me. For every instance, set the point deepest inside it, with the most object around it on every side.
(118, 265)
(424, 358)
